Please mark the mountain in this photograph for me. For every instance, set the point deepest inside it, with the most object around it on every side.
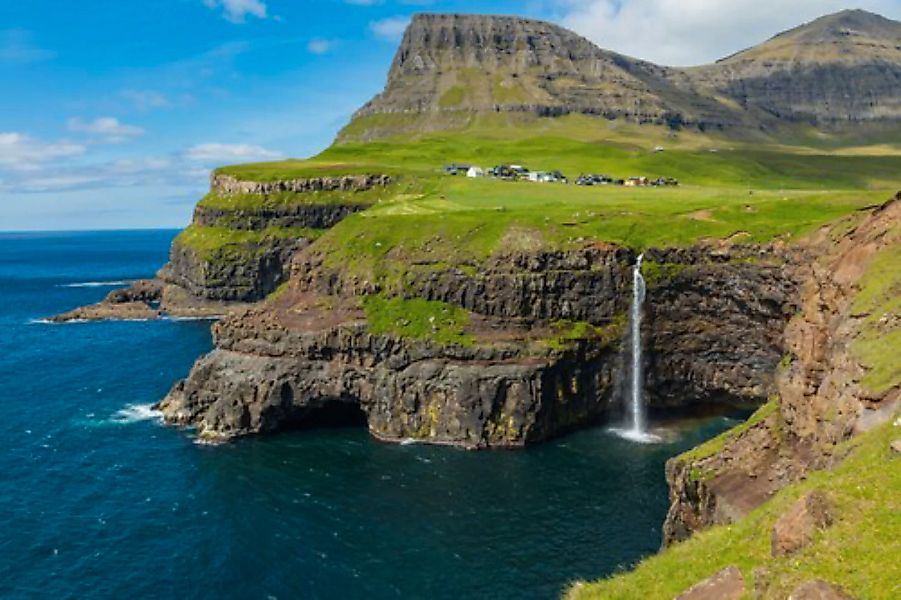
(450, 62)
(839, 68)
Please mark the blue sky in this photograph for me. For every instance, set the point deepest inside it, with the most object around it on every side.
(113, 111)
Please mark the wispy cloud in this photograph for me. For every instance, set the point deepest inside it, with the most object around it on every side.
(237, 11)
(146, 99)
(17, 48)
(214, 153)
(110, 129)
(21, 152)
(390, 29)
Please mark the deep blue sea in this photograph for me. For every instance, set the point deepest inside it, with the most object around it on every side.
(98, 500)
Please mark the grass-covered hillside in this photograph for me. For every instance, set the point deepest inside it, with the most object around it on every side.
(751, 188)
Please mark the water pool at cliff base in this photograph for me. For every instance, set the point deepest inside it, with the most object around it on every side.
(98, 500)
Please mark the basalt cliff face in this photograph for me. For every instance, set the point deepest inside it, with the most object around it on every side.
(239, 246)
(310, 353)
(821, 397)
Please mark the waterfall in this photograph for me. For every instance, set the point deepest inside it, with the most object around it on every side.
(636, 427)
(636, 400)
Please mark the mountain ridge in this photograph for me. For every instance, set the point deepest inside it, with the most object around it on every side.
(449, 63)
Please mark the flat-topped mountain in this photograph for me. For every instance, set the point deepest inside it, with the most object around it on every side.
(842, 67)
(450, 62)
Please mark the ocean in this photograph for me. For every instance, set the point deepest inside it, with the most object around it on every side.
(99, 500)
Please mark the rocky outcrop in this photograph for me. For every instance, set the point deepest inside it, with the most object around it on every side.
(139, 301)
(306, 216)
(795, 529)
(819, 590)
(228, 185)
(246, 273)
(589, 284)
(728, 584)
(819, 402)
(284, 367)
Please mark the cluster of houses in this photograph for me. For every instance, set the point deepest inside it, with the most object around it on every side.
(519, 172)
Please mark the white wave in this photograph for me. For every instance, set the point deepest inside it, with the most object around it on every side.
(134, 413)
(49, 322)
(93, 284)
(409, 442)
(634, 435)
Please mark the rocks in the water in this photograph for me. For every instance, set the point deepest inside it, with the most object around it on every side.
(138, 301)
(728, 584)
(797, 526)
(818, 590)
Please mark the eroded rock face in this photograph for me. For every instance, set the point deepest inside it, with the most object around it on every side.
(248, 275)
(820, 399)
(266, 375)
(714, 323)
(275, 365)
(227, 185)
(581, 285)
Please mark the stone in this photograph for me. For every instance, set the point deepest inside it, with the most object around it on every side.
(896, 446)
(728, 584)
(818, 590)
(796, 527)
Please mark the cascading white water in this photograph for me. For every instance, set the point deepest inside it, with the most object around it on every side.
(637, 403)
(636, 430)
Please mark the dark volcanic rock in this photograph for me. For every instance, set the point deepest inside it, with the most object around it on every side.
(714, 323)
(266, 377)
(245, 276)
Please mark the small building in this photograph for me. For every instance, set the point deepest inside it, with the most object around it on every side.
(475, 172)
(547, 177)
(658, 148)
(637, 182)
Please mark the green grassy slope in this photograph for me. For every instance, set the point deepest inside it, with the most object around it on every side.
(856, 552)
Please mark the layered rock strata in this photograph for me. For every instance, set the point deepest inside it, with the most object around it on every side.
(274, 367)
(820, 400)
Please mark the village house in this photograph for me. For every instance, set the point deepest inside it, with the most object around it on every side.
(475, 172)
(455, 169)
(547, 177)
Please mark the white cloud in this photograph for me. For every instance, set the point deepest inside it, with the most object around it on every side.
(690, 32)
(109, 128)
(319, 46)
(390, 29)
(146, 99)
(17, 48)
(237, 11)
(225, 153)
(21, 152)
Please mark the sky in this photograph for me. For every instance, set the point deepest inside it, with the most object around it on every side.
(113, 112)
